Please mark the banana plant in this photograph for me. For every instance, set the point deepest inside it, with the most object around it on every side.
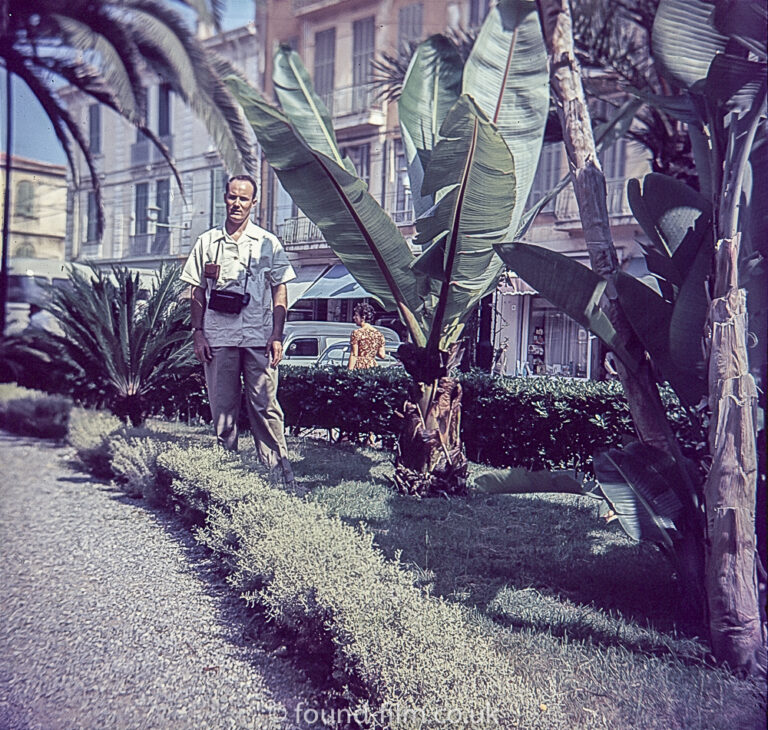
(472, 138)
(705, 249)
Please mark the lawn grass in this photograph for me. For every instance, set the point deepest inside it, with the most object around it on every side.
(593, 616)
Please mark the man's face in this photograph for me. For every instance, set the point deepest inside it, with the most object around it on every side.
(239, 199)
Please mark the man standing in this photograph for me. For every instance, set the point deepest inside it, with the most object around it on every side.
(238, 308)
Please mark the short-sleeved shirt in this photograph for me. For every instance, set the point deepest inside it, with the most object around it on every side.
(269, 266)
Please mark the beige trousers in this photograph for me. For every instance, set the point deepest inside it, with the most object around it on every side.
(223, 380)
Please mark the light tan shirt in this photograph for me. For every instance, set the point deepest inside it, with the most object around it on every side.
(269, 267)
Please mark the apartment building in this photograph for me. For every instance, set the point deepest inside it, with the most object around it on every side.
(149, 219)
(38, 208)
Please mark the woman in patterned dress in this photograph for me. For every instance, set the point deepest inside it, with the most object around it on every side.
(366, 342)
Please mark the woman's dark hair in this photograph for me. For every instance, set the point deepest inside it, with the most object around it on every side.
(364, 311)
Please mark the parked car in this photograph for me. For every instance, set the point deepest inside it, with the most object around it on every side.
(338, 354)
(304, 342)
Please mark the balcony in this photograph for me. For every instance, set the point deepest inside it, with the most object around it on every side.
(567, 209)
(300, 234)
(143, 244)
(355, 107)
(305, 7)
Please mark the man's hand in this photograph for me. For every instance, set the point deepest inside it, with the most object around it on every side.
(274, 350)
(202, 348)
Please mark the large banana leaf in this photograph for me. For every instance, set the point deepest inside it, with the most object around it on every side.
(431, 87)
(522, 481)
(667, 209)
(473, 167)
(548, 271)
(506, 75)
(304, 108)
(360, 232)
(637, 482)
(650, 317)
(689, 316)
(685, 41)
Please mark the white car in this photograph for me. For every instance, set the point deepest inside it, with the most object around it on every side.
(305, 342)
(338, 354)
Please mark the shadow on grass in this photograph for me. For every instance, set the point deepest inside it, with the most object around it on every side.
(540, 562)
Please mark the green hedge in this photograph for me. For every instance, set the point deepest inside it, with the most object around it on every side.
(536, 423)
(32, 413)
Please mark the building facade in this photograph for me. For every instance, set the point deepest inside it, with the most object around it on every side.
(149, 218)
(38, 208)
(338, 40)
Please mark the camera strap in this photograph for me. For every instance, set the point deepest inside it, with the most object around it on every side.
(248, 268)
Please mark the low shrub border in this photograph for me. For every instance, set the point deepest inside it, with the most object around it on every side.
(535, 423)
(32, 413)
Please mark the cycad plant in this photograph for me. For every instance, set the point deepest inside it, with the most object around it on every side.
(119, 348)
(472, 133)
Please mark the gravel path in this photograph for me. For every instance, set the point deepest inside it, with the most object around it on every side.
(111, 619)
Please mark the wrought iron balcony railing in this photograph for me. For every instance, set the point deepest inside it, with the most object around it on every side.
(567, 209)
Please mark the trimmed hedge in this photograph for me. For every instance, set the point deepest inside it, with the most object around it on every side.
(32, 413)
(536, 423)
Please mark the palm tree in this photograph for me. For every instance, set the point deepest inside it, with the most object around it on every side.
(102, 49)
(117, 349)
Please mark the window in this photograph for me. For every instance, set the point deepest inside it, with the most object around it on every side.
(140, 208)
(218, 206)
(613, 160)
(478, 9)
(325, 59)
(94, 129)
(548, 174)
(362, 56)
(409, 24)
(25, 199)
(92, 220)
(403, 212)
(163, 110)
(163, 202)
(361, 158)
(143, 101)
(303, 347)
(556, 344)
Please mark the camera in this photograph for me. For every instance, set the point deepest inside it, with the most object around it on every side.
(228, 302)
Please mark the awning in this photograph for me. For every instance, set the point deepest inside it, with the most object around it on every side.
(337, 283)
(306, 276)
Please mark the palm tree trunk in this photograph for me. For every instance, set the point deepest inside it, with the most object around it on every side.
(737, 629)
(430, 454)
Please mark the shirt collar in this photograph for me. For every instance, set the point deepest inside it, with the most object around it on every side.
(252, 232)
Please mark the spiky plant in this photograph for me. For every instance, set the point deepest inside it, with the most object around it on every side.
(118, 345)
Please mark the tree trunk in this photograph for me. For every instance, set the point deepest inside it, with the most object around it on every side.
(737, 631)
(430, 454)
(645, 404)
